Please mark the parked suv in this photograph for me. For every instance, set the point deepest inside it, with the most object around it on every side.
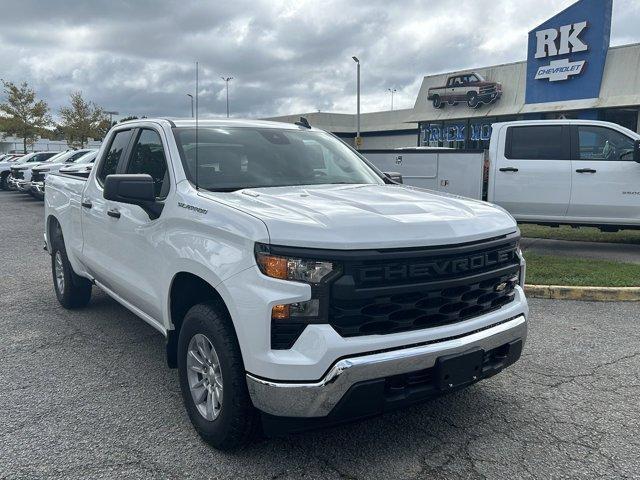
(296, 284)
(81, 167)
(54, 164)
(20, 171)
(471, 88)
(6, 161)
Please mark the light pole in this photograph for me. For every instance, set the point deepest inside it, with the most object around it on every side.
(191, 97)
(111, 114)
(226, 80)
(355, 59)
(392, 90)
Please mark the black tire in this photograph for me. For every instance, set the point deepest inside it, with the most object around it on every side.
(472, 100)
(74, 291)
(4, 185)
(237, 422)
(437, 102)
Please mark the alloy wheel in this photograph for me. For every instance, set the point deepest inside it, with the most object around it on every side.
(204, 375)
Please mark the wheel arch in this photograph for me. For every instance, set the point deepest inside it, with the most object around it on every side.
(51, 227)
(188, 289)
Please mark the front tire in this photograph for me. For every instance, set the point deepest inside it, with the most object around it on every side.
(71, 290)
(4, 184)
(212, 379)
(472, 100)
(437, 102)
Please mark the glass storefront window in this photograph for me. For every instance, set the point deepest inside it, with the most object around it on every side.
(627, 117)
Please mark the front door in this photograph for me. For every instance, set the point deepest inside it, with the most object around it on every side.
(136, 259)
(102, 246)
(605, 178)
(533, 176)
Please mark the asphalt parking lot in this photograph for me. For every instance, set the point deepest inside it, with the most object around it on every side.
(87, 394)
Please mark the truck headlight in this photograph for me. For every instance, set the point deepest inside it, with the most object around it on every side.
(316, 273)
(295, 269)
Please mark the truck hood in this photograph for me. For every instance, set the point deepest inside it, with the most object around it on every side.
(51, 166)
(368, 216)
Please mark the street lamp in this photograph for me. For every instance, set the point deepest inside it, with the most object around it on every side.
(226, 80)
(191, 97)
(392, 90)
(111, 114)
(355, 59)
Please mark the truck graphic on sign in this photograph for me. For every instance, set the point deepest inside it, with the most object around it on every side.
(470, 88)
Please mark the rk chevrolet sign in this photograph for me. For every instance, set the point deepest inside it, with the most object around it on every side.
(560, 70)
(566, 53)
(552, 42)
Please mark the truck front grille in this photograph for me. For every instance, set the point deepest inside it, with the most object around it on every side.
(18, 174)
(424, 289)
(423, 308)
(37, 176)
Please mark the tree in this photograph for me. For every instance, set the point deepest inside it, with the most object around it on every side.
(24, 116)
(82, 120)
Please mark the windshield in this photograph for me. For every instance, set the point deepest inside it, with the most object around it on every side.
(59, 157)
(87, 157)
(232, 158)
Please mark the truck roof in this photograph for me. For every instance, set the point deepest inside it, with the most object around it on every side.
(220, 122)
(556, 122)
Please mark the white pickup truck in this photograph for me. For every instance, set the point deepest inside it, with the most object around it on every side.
(296, 284)
(550, 172)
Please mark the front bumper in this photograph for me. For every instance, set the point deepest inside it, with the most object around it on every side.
(320, 398)
(23, 185)
(37, 187)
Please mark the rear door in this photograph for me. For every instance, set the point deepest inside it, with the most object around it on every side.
(605, 177)
(533, 171)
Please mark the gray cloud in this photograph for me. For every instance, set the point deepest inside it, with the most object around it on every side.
(138, 57)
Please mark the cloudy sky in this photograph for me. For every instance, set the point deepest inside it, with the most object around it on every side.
(137, 56)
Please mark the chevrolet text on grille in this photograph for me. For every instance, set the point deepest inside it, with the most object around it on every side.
(400, 271)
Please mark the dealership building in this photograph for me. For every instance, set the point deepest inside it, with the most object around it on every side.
(570, 72)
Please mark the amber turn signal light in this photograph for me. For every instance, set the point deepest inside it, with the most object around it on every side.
(280, 312)
(273, 266)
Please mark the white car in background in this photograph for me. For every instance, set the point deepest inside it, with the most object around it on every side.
(40, 172)
(82, 166)
(6, 161)
(20, 170)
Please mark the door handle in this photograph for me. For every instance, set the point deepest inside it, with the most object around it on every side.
(87, 204)
(113, 213)
(509, 169)
(586, 170)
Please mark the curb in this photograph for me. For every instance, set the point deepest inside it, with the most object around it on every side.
(596, 294)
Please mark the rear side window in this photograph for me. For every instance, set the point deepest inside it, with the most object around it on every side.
(148, 157)
(543, 142)
(112, 158)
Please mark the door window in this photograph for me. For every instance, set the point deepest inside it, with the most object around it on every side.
(542, 142)
(601, 143)
(112, 158)
(148, 157)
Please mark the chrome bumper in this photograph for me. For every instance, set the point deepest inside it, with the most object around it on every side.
(317, 399)
(23, 185)
(37, 187)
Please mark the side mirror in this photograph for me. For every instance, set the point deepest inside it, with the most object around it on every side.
(395, 176)
(636, 151)
(134, 189)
